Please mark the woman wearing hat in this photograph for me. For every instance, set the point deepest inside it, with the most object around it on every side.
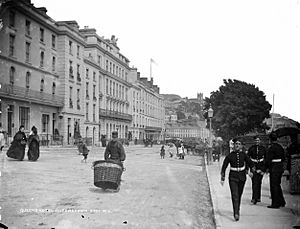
(33, 152)
(18, 145)
(239, 163)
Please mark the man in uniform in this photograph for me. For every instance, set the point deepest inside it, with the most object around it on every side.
(257, 154)
(239, 162)
(274, 164)
(115, 150)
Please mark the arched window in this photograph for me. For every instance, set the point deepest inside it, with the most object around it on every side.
(27, 80)
(53, 88)
(42, 59)
(42, 85)
(53, 63)
(12, 75)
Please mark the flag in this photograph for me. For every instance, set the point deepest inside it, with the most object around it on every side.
(152, 61)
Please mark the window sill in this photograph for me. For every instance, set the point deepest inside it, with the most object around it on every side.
(28, 36)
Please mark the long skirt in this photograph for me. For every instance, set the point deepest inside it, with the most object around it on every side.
(16, 150)
(33, 152)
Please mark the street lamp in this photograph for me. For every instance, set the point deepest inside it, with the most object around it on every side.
(210, 115)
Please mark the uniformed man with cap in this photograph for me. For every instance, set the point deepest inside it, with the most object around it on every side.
(274, 164)
(114, 149)
(239, 164)
(257, 154)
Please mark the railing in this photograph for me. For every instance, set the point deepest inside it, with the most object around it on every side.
(25, 94)
(114, 114)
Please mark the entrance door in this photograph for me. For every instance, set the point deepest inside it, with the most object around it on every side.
(10, 120)
(94, 132)
(69, 129)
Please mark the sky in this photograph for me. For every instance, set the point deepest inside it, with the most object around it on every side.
(198, 43)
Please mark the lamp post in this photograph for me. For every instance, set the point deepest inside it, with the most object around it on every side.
(210, 115)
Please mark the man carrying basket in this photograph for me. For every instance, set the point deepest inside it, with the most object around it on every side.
(114, 150)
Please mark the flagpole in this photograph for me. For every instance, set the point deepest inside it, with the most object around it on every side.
(150, 68)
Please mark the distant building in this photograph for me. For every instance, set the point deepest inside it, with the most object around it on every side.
(170, 117)
(147, 108)
(187, 129)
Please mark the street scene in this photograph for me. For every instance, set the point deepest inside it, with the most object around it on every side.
(149, 114)
(58, 192)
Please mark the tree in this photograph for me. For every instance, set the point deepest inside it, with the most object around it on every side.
(239, 108)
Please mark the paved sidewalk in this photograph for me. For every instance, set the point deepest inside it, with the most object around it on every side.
(252, 216)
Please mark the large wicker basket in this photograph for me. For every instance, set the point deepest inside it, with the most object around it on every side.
(107, 174)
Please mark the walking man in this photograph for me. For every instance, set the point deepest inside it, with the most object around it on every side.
(257, 154)
(115, 150)
(274, 164)
(238, 161)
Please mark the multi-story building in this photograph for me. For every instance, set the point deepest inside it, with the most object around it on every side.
(108, 85)
(147, 107)
(31, 88)
(68, 82)
(191, 129)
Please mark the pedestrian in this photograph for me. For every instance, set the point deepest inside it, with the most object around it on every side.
(18, 145)
(2, 138)
(170, 150)
(162, 152)
(181, 151)
(274, 165)
(135, 141)
(239, 162)
(257, 154)
(83, 150)
(33, 152)
(114, 150)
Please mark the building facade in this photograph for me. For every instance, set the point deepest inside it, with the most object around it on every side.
(31, 90)
(66, 81)
(187, 130)
(147, 108)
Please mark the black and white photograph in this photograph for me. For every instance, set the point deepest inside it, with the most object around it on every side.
(147, 114)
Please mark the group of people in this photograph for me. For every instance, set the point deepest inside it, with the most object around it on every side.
(18, 145)
(255, 163)
(180, 151)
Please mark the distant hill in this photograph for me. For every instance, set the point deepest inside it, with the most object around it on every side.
(175, 104)
(171, 97)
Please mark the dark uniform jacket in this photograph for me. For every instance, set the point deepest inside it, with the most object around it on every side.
(275, 152)
(236, 159)
(257, 154)
(115, 151)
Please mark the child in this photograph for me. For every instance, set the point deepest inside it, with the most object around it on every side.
(162, 152)
(83, 150)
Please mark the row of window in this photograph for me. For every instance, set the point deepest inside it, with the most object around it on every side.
(147, 98)
(28, 53)
(28, 29)
(116, 90)
(12, 73)
(116, 70)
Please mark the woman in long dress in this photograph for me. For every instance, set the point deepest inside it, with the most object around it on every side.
(33, 152)
(18, 145)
